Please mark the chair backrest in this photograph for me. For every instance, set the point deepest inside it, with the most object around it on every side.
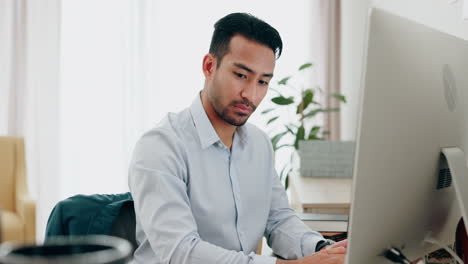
(125, 224)
(8, 171)
(98, 214)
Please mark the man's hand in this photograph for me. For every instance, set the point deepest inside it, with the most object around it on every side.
(343, 243)
(331, 255)
(335, 255)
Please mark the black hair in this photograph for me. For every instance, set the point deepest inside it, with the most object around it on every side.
(248, 26)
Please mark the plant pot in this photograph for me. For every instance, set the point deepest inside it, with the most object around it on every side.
(323, 158)
(96, 249)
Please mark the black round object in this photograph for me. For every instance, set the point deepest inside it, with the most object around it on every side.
(96, 249)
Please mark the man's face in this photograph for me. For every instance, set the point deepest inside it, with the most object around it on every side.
(240, 83)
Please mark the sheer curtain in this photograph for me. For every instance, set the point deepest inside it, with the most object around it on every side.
(29, 92)
(326, 25)
(97, 96)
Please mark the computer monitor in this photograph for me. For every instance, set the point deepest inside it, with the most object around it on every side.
(414, 106)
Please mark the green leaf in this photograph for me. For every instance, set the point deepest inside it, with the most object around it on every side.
(313, 112)
(313, 133)
(306, 100)
(299, 136)
(267, 111)
(284, 175)
(272, 120)
(340, 97)
(281, 100)
(284, 80)
(290, 130)
(276, 138)
(283, 170)
(279, 94)
(320, 110)
(305, 66)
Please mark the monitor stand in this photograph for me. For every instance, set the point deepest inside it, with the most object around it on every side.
(456, 160)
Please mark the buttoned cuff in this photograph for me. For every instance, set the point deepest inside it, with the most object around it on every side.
(309, 243)
(261, 259)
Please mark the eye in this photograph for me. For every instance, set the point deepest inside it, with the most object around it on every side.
(262, 82)
(240, 75)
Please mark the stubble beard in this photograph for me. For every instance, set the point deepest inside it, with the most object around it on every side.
(225, 114)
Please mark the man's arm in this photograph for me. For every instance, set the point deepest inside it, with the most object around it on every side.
(286, 234)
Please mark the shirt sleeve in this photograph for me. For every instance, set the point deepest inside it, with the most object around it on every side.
(158, 183)
(286, 234)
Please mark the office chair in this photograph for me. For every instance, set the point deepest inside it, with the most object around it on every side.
(98, 214)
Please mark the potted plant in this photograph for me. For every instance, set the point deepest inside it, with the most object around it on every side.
(304, 104)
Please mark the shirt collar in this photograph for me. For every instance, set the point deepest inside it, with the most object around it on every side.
(205, 129)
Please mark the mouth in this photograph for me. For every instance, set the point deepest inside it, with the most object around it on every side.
(243, 109)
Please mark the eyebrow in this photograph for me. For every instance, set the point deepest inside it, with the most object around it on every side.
(242, 66)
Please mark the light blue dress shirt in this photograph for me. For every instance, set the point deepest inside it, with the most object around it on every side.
(198, 202)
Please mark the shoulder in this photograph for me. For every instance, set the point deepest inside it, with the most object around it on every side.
(255, 132)
(162, 147)
(161, 137)
(257, 137)
(167, 134)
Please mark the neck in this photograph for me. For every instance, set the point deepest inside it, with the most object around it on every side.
(224, 130)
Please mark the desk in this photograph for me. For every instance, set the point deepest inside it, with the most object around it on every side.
(320, 195)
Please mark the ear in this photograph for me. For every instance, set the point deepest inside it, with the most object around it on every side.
(209, 65)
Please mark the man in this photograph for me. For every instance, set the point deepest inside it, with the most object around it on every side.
(203, 181)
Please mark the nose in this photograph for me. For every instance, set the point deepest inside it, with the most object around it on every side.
(249, 91)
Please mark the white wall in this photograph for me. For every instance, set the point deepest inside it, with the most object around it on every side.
(440, 14)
